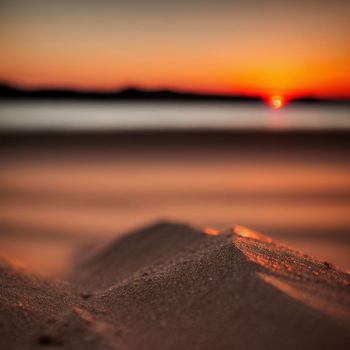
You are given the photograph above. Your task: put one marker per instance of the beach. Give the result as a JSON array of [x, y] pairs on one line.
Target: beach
[[173, 286], [61, 192], [151, 240], [174, 175]]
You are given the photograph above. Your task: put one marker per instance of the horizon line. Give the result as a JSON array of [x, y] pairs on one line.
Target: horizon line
[[151, 92]]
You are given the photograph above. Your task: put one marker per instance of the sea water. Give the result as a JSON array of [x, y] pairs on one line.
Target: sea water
[[131, 116]]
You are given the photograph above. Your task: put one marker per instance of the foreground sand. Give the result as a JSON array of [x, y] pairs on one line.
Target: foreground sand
[[171, 286]]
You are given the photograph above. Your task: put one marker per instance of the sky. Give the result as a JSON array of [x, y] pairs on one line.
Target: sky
[[254, 47]]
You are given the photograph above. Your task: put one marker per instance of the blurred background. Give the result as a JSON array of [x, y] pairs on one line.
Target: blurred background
[[241, 115], [61, 190]]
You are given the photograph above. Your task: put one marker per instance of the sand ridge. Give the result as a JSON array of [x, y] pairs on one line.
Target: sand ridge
[[172, 286]]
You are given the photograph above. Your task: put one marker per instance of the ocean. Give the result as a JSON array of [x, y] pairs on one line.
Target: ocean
[[145, 116]]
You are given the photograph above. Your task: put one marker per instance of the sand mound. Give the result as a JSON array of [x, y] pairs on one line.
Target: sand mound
[[136, 252], [170, 286]]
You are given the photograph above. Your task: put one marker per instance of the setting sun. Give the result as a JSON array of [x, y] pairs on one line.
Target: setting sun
[[277, 102]]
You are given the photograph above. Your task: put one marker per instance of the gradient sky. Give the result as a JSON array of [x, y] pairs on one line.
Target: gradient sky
[[263, 47]]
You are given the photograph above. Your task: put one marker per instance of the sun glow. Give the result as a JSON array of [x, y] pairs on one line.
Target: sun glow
[[277, 102]]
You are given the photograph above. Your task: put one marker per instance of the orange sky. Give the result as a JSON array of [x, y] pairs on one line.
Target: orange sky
[[259, 47]]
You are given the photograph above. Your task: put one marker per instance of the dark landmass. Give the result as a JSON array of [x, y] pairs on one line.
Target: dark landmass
[[172, 286], [129, 94], [8, 92]]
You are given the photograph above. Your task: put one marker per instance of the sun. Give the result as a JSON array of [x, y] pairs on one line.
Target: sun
[[277, 102]]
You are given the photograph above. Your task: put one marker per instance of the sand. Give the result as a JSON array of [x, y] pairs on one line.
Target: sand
[[62, 191], [172, 286]]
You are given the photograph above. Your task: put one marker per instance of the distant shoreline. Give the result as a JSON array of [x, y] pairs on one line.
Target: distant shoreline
[[10, 93]]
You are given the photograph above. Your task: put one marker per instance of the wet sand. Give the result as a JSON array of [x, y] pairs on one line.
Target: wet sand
[[172, 286], [62, 192]]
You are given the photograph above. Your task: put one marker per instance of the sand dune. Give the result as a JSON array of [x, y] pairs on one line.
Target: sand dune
[[171, 286]]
